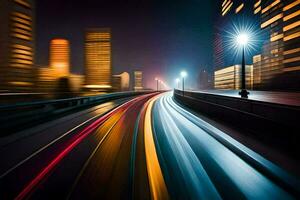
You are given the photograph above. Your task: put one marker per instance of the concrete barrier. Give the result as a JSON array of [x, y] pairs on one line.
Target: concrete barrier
[[275, 124]]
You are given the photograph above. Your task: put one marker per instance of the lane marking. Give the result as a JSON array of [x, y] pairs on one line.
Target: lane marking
[[49, 144], [156, 181], [95, 150], [82, 135]]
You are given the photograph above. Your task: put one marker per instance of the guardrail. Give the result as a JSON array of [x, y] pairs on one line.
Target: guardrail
[[23, 115], [273, 123]]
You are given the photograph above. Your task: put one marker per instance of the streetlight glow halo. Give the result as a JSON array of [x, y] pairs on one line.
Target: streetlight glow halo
[[242, 39], [183, 74]]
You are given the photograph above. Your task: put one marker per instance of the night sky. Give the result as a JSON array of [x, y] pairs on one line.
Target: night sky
[[159, 37]]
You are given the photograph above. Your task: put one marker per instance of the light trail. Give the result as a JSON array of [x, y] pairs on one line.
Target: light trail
[[189, 147], [156, 180], [50, 144], [82, 135]]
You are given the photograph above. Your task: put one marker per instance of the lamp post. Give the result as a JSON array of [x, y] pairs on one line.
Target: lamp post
[[242, 40], [183, 74], [159, 81], [177, 80], [156, 83]]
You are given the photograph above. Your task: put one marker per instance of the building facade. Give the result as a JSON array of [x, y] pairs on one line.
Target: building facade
[[138, 80], [17, 45], [98, 70], [46, 80], [230, 78], [121, 82], [60, 57], [279, 65]]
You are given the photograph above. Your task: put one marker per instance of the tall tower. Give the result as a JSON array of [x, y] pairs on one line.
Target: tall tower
[[138, 80], [98, 59], [279, 62], [60, 57], [17, 45]]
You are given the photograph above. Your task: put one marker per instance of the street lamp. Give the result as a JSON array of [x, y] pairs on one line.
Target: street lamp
[[159, 86], [242, 40], [183, 74], [156, 83], [177, 80]]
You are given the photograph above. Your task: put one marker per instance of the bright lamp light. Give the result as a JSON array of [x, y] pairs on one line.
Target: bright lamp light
[[183, 74], [242, 39], [177, 80]]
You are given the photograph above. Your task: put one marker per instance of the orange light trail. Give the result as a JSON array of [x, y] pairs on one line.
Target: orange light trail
[[81, 136], [156, 181]]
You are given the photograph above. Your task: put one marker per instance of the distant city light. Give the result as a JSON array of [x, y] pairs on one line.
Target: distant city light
[[183, 74]]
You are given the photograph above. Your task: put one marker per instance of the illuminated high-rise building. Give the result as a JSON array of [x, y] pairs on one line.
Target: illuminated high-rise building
[[279, 63], [138, 80], [230, 77], [98, 59], [121, 81], [17, 45], [60, 57]]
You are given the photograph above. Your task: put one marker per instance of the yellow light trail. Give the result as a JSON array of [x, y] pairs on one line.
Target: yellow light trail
[[156, 181]]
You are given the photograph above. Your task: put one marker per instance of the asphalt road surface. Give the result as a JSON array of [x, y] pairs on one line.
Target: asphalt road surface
[[147, 147]]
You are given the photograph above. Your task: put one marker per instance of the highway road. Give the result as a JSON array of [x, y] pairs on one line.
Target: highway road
[[147, 147]]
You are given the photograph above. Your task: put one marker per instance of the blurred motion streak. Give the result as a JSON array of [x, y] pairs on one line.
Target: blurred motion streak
[[156, 179], [81, 136]]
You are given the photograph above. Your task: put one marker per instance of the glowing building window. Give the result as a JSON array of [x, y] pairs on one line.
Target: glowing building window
[[257, 10], [22, 15], [21, 20], [291, 26], [21, 36], [23, 47], [289, 69], [272, 20], [270, 6], [276, 37], [290, 16], [291, 5], [290, 60], [227, 9], [257, 4], [292, 36], [23, 3], [292, 51], [239, 8]]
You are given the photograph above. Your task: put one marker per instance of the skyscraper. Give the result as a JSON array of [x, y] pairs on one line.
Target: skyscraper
[[279, 63], [60, 57], [17, 41], [98, 59], [138, 80]]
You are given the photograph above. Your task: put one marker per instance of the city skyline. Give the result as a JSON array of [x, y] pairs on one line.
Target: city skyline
[[149, 99], [178, 35]]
